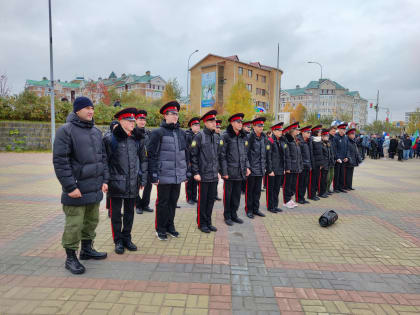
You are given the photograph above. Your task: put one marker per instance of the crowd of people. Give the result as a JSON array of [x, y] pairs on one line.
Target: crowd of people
[[385, 146], [304, 162]]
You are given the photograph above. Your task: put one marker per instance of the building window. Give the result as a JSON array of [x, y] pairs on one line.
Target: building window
[[148, 85], [240, 70], [258, 90], [263, 79], [153, 86], [263, 92], [257, 76], [249, 87], [250, 73]]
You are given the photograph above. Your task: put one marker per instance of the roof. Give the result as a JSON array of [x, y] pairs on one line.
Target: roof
[[315, 84], [235, 58], [296, 92], [46, 83]]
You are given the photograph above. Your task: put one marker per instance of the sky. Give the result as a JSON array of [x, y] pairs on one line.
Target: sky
[[363, 45]]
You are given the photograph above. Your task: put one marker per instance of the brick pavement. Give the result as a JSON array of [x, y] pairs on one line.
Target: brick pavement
[[367, 263]]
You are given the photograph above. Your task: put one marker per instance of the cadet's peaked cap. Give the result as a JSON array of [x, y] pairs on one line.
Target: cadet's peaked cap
[[316, 128], [194, 121], [291, 126], [246, 123], [128, 113], [238, 116], [141, 113], [172, 106], [306, 128], [351, 130], [210, 115], [325, 132], [277, 126], [342, 126], [219, 122], [259, 121]]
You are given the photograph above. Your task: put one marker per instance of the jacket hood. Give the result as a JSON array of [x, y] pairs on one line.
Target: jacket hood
[[74, 119], [232, 133]]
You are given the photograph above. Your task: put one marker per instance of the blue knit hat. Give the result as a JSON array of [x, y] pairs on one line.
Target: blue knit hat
[[81, 102]]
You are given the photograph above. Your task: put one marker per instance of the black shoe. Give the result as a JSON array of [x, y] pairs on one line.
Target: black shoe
[[314, 198], [306, 201], [173, 233], [352, 188], [177, 207], [130, 246], [279, 210], [218, 199], [139, 210], [323, 196], [259, 213], [301, 202], [237, 220], [195, 200], [212, 228], [204, 229], [272, 210], [229, 222], [161, 236], [343, 191], [73, 264], [119, 247], [191, 202], [336, 191], [330, 191], [147, 209], [88, 252], [250, 215]]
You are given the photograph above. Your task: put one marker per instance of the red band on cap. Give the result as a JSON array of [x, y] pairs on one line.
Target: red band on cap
[[172, 108], [236, 118], [209, 117], [325, 133], [276, 127], [304, 129], [125, 116], [258, 122], [316, 129], [140, 115], [194, 122]]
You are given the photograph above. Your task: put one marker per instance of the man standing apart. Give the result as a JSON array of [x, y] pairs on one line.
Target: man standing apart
[[205, 149], [80, 165], [340, 151], [168, 168], [235, 167]]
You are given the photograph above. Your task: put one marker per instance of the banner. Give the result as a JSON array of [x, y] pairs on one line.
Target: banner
[[208, 89]]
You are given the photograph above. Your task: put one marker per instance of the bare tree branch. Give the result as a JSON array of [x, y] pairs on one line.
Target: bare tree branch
[[4, 88]]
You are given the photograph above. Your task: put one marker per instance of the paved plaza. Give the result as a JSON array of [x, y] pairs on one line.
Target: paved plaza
[[366, 263]]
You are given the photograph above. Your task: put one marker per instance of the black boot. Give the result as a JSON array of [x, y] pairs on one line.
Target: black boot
[[73, 264], [88, 252]]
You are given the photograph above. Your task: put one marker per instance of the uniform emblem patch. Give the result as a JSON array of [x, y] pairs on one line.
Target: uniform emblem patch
[[285, 146], [221, 142], [246, 143], [193, 144], [268, 147]]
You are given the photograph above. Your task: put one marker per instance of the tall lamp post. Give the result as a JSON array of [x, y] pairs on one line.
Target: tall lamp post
[[52, 79], [319, 95], [188, 73], [318, 65]]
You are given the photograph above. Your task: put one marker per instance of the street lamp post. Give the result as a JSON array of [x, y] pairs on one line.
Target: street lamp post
[[188, 72], [318, 65], [319, 94], [52, 79]]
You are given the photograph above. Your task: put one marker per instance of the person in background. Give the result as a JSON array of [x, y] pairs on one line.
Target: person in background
[[191, 185], [400, 149], [407, 146], [353, 159], [393, 144], [385, 146]]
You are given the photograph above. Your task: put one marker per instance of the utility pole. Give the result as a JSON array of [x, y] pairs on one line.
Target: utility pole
[[377, 106], [52, 80]]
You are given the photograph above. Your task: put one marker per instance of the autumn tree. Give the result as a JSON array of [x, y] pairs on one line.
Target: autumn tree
[[298, 114], [172, 91], [240, 101], [414, 122]]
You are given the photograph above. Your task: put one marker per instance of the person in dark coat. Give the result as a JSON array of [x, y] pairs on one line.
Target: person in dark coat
[[374, 147], [80, 165], [113, 124], [327, 162], [393, 144], [317, 162], [142, 203], [407, 146], [246, 127], [127, 165], [340, 151], [168, 168], [234, 166], [305, 144], [279, 155], [191, 185], [217, 134], [330, 179], [294, 165], [353, 159], [259, 157], [205, 149]]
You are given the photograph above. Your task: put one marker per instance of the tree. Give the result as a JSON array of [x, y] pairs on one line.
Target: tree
[[414, 122], [288, 108], [377, 127], [172, 91], [240, 101], [4, 88], [298, 114]]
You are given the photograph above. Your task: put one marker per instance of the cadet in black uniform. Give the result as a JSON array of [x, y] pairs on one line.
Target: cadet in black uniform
[[279, 155], [316, 164], [127, 164], [205, 149], [353, 159], [340, 151], [293, 167], [327, 161], [234, 165], [259, 157], [142, 203], [305, 144], [191, 185], [246, 127], [218, 135]]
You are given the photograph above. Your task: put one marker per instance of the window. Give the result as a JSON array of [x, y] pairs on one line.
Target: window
[[258, 91], [263, 92], [249, 87], [240, 70], [153, 86], [263, 78], [257, 76], [148, 85], [250, 73]]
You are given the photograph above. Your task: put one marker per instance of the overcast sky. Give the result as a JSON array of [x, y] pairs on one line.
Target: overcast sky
[[363, 45]]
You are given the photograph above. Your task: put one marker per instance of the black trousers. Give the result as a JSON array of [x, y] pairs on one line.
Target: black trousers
[[144, 201], [253, 194], [273, 190], [231, 198], [191, 189], [400, 155], [121, 230], [243, 186], [206, 197], [348, 177], [167, 198], [323, 181], [313, 182], [303, 181], [289, 186], [108, 198], [338, 181]]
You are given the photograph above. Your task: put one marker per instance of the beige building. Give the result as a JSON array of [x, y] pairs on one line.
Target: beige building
[[213, 77]]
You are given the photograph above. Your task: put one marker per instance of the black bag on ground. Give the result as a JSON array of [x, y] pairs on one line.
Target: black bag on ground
[[328, 218]]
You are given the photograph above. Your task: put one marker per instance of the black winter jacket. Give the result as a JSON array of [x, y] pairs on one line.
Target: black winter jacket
[[259, 154], [79, 160], [328, 155], [127, 163], [168, 155], [279, 154], [234, 154], [205, 149], [317, 153], [340, 146], [306, 150], [296, 163], [352, 154]]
